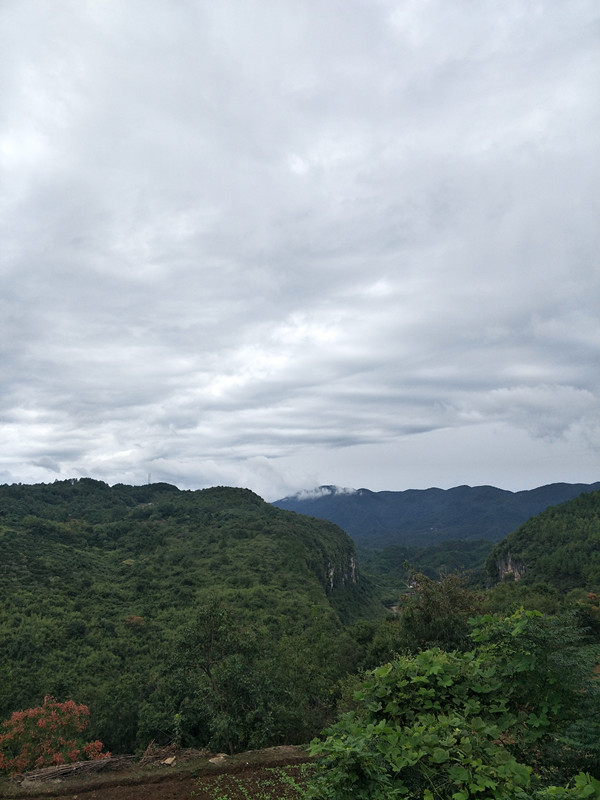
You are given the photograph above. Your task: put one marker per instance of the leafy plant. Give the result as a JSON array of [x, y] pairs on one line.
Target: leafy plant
[[428, 726], [582, 787], [522, 709], [546, 665], [50, 734]]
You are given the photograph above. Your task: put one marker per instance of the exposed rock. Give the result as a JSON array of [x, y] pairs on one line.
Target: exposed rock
[[344, 572], [509, 569]]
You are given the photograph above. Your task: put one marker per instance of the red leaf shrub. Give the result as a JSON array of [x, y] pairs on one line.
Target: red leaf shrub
[[48, 735]]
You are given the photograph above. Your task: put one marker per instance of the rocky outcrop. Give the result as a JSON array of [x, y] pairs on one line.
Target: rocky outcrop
[[343, 572], [509, 570]]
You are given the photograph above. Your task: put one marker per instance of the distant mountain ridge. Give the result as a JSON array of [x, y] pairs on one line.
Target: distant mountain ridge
[[429, 516]]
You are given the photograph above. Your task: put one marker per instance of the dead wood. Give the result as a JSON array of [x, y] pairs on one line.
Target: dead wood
[[98, 764]]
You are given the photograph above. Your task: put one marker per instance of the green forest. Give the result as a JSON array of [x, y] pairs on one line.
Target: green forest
[[214, 620]]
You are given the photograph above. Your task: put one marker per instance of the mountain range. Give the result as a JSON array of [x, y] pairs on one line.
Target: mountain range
[[426, 517]]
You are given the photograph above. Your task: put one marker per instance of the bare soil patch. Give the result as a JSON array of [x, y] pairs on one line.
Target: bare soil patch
[[171, 774]]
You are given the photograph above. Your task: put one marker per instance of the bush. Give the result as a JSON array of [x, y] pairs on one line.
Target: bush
[[48, 735], [498, 722], [582, 787], [547, 668], [426, 726]]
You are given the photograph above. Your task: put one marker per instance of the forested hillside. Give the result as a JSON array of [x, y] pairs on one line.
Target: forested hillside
[[105, 593], [559, 547], [424, 517], [213, 619]]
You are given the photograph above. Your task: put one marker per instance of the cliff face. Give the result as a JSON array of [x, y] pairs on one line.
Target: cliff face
[[342, 572], [509, 569]]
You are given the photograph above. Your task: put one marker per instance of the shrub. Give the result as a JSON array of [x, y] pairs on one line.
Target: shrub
[[425, 726], [497, 723], [48, 735]]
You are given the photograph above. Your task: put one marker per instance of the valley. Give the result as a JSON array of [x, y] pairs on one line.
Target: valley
[[211, 620]]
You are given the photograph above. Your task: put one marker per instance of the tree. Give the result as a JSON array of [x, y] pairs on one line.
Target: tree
[[219, 693], [436, 613], [433, 614]]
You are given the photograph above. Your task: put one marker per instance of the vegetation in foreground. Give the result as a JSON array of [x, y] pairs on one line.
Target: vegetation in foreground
[[508, 719], [464, 692]]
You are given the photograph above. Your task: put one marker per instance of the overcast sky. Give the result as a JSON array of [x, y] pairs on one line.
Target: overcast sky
[[281, 243]]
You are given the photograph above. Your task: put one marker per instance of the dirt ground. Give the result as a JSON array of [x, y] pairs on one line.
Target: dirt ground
[[269, 774]]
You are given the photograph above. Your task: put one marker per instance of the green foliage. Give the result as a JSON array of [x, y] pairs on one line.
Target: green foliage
[[215, 669], [425, 726], [582, 787], [559, 547], [431, 614], [99, 585], [506, 598], [212, 619], [228, 686], [524, 707], [547, 669], [436, 613]]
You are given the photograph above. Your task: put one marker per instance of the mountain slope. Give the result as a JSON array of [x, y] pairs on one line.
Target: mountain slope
[[429, 516], [559, 547], [98, 583]]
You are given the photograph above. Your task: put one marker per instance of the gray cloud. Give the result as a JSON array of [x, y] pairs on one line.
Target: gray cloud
[[264, 244]]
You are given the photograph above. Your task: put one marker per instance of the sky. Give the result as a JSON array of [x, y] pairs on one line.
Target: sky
[[286, 243]]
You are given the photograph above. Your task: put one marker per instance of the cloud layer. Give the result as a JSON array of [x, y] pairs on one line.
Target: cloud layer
[[273, 244]]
